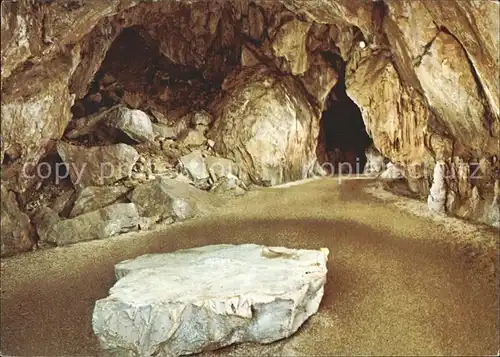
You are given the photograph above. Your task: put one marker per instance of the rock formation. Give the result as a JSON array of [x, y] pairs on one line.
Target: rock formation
[[231, 293], [248, 81]]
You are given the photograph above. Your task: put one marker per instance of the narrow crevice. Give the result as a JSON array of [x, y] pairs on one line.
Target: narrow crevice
[[427, 48]]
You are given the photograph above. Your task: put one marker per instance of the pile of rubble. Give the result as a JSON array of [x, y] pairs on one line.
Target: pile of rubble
[[144, 171]]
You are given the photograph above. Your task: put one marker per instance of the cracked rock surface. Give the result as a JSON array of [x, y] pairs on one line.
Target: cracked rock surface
[[204, 298]]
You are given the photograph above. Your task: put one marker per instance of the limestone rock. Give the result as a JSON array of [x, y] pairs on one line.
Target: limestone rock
[[93, 198], [100, 224], [89, 124], [135, 123], [63, 204], [248, 56], [384, 104], [492, 212], [392, 172], [194, 165], [230, 293], [374, 161], [290, 43], [97, 166], [451, 201], [202, 118], [182, 125], [266, 126], [164, 198], [256, 22], [15, 226], [164, 131], [39, 92], [228, 186], [45, 220], [437, 197], [425, 78], [459, 106], [219, 167], [194, 137], [475, 25], [319, 80]]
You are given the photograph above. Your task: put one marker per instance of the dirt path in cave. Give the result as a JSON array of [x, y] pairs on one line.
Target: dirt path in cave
[[397, 284]]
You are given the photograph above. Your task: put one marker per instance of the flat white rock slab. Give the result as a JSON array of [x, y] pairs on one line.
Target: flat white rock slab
[[205, 298]]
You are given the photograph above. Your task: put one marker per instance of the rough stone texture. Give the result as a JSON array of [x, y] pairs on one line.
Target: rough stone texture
[[266, 126], [97, 166], [425, 78], [220, 167], [460, 107], [437, 196], [194, 165], [104, 223], [135, 123], [290, 43], [44, 220], [475, 24], [202, 118], [165, 198], [229, 186], [392, 172], [35, 115], [15, 226], [194, 137], [231, 293], [492, 214], [164, 131], [319, 80], [385, 105], [63, 204], [374, 161], [93, 198]]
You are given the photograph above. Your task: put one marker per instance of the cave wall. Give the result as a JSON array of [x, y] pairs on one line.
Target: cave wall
[[426, 81]]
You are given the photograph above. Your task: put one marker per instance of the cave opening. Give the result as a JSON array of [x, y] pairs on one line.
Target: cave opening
[[172, 75], [136, 73], [343, 139]]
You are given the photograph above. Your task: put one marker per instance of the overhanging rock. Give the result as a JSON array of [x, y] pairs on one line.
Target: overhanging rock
[[205, 298]]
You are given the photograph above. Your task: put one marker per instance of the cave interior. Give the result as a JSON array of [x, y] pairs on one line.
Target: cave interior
[[136, 73]]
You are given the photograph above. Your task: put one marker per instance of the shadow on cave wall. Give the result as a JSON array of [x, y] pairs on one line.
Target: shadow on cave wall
[[136, 73], [343, 139]]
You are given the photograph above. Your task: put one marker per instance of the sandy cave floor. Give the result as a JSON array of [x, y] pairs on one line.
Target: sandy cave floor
[[398, 284]]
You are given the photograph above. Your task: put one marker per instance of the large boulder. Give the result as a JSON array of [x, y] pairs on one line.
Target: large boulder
[[134, 123], [266, 125], [194, 165], [44, 220], [93, 198], [194, 137], [219, 167], [100, 224], [15, 226], [165, 198], [97, 166], [209, 297], [164, 131]]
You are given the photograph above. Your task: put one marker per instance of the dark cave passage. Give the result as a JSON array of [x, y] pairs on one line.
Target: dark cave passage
[[135, 72], [343, 139]]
